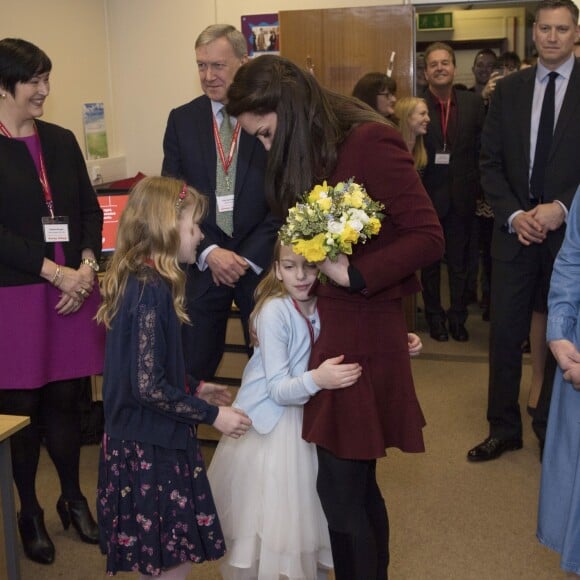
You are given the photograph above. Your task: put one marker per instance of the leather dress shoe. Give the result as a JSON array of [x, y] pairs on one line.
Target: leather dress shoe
[[458, 331], [492, 448], [438, 331]]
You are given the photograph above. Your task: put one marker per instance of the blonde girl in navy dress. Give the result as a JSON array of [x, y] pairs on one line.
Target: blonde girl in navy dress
[[155, 508]]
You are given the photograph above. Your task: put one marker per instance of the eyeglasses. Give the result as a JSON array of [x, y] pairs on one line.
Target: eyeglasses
[[386, 94]]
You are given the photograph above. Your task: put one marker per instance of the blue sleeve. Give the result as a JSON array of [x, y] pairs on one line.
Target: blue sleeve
[[564, 296], [150, 384], [275, 332]]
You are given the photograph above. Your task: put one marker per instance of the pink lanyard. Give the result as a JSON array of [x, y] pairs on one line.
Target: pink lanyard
[[310, 327], [42, 177], [225, 162]]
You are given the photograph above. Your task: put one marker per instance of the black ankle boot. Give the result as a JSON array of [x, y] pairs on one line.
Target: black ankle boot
[[77, 511], [35, 539]]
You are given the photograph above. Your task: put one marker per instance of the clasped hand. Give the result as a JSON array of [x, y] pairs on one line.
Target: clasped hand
[[568, 359], [533, 226], [226, 266], [76, 285]]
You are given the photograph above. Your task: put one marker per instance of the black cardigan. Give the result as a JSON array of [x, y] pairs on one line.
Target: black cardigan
[[22, 205]]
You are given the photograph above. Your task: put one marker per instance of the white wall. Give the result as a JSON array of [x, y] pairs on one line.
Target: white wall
[[73, 34]]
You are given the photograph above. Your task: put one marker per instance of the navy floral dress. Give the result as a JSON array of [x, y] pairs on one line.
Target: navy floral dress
[[154, 504]]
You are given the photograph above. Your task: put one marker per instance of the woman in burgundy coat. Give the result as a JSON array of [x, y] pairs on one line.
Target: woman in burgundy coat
[[313, 134]]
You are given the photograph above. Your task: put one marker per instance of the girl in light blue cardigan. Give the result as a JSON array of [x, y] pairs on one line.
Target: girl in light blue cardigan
[[264, 484]]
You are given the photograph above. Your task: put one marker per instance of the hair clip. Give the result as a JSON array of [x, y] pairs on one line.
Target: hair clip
[[181, 196]]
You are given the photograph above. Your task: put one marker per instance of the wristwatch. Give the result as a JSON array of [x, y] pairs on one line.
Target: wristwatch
[[91, 263]]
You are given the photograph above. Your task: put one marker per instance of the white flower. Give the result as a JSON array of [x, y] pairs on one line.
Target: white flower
[[356, 225], [335, 227], [359, 215]]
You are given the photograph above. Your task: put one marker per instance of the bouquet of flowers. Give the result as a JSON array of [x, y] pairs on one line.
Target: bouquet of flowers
[[329, 220]]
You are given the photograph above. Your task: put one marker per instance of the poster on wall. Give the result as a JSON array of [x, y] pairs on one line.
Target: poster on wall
[[262, 33], [95, 131]]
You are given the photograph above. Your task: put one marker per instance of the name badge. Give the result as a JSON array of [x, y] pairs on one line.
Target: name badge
[[442, 158], [225, 202], [55, 229]]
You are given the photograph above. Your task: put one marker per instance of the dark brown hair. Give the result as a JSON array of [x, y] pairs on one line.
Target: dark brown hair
[[311, 124]]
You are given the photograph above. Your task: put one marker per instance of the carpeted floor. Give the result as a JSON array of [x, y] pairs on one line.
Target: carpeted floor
[[450, 520]]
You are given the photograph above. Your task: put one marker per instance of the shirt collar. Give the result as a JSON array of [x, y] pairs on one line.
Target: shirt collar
[[564, 70]]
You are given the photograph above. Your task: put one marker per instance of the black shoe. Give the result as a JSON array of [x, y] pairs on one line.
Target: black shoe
[[492, 448], [458, 331], [35, 539], [438, 331], [485, 314], [77, 512]]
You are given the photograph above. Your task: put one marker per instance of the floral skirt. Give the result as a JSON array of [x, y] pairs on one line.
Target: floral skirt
[[155, 508]]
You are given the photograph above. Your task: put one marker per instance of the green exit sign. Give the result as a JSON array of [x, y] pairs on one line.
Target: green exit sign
[[435, 21]]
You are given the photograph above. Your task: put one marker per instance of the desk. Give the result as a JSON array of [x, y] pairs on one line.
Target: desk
[[9, 424]]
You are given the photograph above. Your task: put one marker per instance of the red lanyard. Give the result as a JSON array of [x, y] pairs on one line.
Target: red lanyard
[[42, 176], [445, 108], [225, 162], [310, 327]]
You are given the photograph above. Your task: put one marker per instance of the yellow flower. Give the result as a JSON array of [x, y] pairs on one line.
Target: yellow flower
[[325, 203], [356, 199], [315, 194], [313, 249], [348, 235], [374, 225]]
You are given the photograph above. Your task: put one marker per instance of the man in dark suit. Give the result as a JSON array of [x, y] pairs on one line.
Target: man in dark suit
[[451, 179], [530, 211], [239, 230]]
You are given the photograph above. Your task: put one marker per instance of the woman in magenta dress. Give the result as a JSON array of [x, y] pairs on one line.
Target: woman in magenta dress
[[50, 240], [312, 135]]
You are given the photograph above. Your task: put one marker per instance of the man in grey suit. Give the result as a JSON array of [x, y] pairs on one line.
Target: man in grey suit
[[529, 176], [229, 169]]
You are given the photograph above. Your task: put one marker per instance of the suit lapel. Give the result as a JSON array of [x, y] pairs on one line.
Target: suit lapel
[[246, 146], [525, 90], [208, 147], [569, 105]]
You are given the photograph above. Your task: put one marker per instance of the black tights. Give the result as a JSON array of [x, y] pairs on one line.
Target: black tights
[[57, 406], [357, 517]]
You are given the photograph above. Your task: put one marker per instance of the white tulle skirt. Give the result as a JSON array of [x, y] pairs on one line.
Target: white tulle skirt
[[264, 488]]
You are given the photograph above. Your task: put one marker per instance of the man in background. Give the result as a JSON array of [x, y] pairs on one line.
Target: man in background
[[530, 172], [208, 150], [451, 179], [483, 65]]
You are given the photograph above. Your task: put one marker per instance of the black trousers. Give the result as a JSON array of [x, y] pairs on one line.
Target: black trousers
[[357, 517], [514, 287], [457, 232]]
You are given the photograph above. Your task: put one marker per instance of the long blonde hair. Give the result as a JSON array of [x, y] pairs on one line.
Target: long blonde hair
[[148, 230], [269, 287], [404, 108]]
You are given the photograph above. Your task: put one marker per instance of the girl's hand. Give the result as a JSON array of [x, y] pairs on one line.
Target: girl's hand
[[331, 374], [232, 422], [415, 344], [214, 394]]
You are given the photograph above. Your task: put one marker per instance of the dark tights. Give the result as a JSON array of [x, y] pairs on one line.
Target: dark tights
[[357, 517], [56, 406]]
